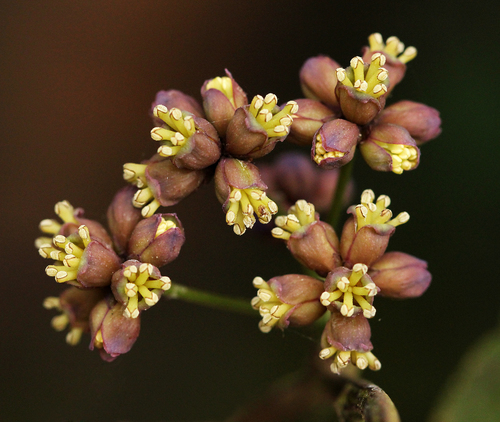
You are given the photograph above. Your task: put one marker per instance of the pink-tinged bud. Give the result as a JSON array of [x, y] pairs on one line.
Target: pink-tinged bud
[[293, 176], [318, 80], [335, 143], [173, 98], [242, 193], [221, 97], [138, 286], [421, 121], [157, 240], [122, 218], [347, 340], [255, 129], [390, 147], [190, 141], [307, 121], [97, 265], [291, 299], [400, 276], [111, 332], [75, 306]]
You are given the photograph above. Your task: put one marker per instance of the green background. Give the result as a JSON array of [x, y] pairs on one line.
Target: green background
[[77, 79]]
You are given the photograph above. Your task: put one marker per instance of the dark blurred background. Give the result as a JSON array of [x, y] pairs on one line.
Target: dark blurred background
[[77, 80]]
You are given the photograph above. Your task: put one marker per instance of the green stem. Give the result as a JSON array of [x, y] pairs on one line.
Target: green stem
[[211, 300], [338, 198]]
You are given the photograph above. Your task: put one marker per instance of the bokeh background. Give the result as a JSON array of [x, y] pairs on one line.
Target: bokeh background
[[77, 79]]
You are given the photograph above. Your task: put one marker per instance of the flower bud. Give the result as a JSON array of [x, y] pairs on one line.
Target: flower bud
[[318, 80], [191, 142], [291, 299], [366, 233], [307, 121], [390, 147], [242, 193], [400, 276], [75, 306], [335, 143], [157, 240], [347, 340], [138, 286], [85, 262], [255, 129], [311, 241], [221, 97], [294, 176], [421, 121], [160, 182], [122, 218], [395, 54], [350, 291], [173, 98], [362, 89], [111, 332]]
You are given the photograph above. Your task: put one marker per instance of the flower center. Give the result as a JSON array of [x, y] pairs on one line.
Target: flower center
[[367, 79], [275, 122], [392, 47], [300, 215], [224, 85]]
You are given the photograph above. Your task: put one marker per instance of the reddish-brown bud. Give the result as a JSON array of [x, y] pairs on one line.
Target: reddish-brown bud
[[318, 80], [400, 276], [335, 143], [97, 264], [358, 107]]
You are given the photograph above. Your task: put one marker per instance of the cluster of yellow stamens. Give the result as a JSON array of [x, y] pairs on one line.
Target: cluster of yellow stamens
[[139, 285], [223, 84], [299, 215], [66, 212], [366, 79], [369, 213], [350, 289], [275, 122], [164, 226], [179, 128], [244, 203], [404, 157], [342, 358], [321, 154], [67, 253], [392, 47], [271, 309], [144, 197], [60, 322]]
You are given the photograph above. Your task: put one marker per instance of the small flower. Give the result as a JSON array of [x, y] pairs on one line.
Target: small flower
[[191, 141], [291, 299], [173, 98], [157, 240], [350, 291], [138, 286], [160, 183], [366, 233], [242, 192], [311, 241], [75, 306], [361, 89], [111, 332], [255, 129], [347, 340], [80, 261]]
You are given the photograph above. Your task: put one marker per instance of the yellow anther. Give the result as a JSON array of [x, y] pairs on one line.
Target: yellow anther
[[393, 47], [363, 78], [368, 213], [299, 215], [223, 84]]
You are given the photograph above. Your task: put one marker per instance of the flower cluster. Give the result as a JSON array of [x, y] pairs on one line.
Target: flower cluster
[[356, 268]]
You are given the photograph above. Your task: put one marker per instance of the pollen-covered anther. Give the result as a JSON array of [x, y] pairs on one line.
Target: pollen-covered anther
[[300, 215], [164, 226], [321, 154], [370, 212], [393, 47], [342, 358], [276, 122], [135, 174], [404, 157], [143, 197]]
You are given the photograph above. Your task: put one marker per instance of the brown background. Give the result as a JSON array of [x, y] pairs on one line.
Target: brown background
[[76, 82]]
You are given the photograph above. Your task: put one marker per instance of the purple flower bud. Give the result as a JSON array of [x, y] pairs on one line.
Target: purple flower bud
[[318, 80], [221, 97], [390, 147], [307, 121], [173, 98], [347, 340], [111, 332], [157, 240], [291, 299], [255, 129], [138, 286], [122, 217], [400, 276], [242, 193], [421, 121]]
